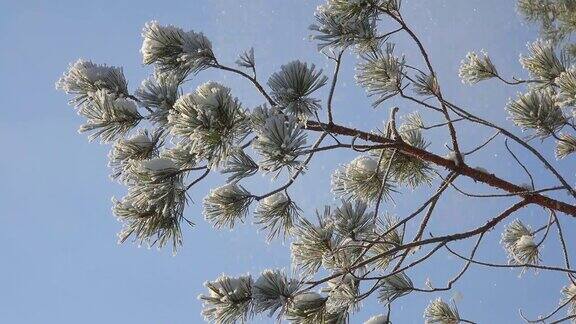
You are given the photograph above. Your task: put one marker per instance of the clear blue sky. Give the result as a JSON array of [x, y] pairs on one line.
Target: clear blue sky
[[60, 261]]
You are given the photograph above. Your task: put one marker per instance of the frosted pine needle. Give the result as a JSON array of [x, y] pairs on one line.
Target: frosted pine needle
[[293, 85], [229, 300], [312, 242], [378, 319], [569, 296], [276, 214], [280, 142], [307, 308], [542, 62], [344, 23], [476, 68], [381, 74], [211, 119], [273, 291], [518, 241], [353, 220], [361, 179], [538, 111], [226, 205], [159, 93], [393, 287], [174, 50], [139, 146], [440, 312], [565, 145], [84, 78], [566, 83], [108, 117]]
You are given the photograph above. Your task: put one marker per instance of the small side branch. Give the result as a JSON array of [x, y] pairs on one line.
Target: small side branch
[[333, 86]]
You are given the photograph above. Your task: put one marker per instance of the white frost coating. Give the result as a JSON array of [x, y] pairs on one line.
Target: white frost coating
[[158, 164], [525, 241], [308, 297], [263, 281], [150, 45], [140, 139], [415, 249], [481, 169], [428, 283], [233, 285], [208, 93], [453, 157], [365, 163], [346, 241], [336, 282], [275, 199], [125, 105], [228, 189], [155, 41], [378, 319], [82, 72], [571, 289]]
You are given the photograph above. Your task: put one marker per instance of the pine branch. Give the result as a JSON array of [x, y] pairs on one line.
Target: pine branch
[[463, 169]]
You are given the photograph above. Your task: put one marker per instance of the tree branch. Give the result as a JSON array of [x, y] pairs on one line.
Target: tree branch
[[463, 169]]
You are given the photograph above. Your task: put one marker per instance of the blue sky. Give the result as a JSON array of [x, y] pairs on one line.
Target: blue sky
[[61, 263]]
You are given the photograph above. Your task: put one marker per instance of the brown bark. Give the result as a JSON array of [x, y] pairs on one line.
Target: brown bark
[[489, 179]]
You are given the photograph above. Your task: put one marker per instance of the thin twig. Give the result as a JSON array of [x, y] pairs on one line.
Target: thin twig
[[333, 86], [483, 144], [198, 179], [520, 163]]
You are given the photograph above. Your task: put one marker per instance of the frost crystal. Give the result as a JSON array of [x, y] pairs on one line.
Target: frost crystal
[[481, 169], [525, 241], [365, 164], [452, 156], [276, 199], [377, 319], [158, 164]]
